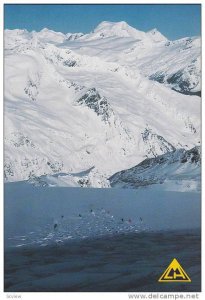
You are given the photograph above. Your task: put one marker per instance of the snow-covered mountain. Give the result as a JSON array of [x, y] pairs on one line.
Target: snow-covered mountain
[[83, 107], [16, 37], [178, 170], [113, 29]]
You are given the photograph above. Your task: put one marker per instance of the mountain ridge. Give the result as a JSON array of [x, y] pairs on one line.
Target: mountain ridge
[[93, 103]]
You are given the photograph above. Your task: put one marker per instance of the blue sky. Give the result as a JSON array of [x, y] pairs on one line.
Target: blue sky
[[174, 21]]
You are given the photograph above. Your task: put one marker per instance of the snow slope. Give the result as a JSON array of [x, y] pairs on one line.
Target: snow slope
[[32, 212], [175, 63], [86, 102], [179, 170]]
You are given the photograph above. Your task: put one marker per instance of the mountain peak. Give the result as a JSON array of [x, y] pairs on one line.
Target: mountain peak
[[153, 31], [105, 24], [156, 36], [49, 35], [45, 29], [121, 29], [118, 29]]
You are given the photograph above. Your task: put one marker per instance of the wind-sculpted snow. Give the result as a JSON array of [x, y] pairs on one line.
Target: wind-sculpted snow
[[77, 101]]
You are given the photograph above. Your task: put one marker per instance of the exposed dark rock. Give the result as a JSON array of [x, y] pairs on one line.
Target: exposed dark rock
[[8, 171], [193, 155], [97, 103], [159, 77], [178, 82], [148, 172], [154, 142], [19, 140], [69, 63]]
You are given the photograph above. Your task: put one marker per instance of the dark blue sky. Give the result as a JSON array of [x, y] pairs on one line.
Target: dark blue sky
[[174, 21]]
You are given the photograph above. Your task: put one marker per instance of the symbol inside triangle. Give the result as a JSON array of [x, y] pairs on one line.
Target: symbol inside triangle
[[174, 273]]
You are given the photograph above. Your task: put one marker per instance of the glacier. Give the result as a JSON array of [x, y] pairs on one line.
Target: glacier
[[103, 101]]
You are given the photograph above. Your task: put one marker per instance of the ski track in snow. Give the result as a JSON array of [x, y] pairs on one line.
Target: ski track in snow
[[41, 216], [90, 224]]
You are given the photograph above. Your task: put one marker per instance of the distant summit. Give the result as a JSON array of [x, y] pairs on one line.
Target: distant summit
[[122, 29], [156, 36]]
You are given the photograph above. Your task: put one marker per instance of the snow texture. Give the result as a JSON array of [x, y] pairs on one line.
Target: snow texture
[[42, 216], [102, 101], [178, 170]]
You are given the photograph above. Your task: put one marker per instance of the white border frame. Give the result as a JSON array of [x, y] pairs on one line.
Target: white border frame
[[76, 295]]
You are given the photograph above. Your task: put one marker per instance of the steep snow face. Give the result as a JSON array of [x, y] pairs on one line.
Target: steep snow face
[[84, 104], [178, 170]]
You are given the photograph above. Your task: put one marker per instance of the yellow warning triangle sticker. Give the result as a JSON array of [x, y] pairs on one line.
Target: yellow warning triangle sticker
[[174, 273]]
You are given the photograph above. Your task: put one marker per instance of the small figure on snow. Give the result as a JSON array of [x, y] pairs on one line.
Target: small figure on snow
[[92, 212]]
